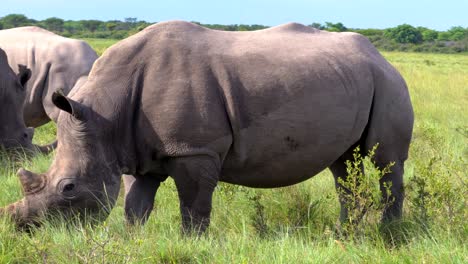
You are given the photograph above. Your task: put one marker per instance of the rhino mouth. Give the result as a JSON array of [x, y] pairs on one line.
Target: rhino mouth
[[27, 214], [14, 146]]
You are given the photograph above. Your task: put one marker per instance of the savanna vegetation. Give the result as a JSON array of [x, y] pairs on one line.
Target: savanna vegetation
[[295, 224], [400, 38]]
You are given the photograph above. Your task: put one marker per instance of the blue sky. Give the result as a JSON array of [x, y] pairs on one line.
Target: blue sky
[[435, 14]]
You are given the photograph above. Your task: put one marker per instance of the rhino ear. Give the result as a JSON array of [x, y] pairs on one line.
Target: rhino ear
[[68, 105], [24, 74], [31, 182]]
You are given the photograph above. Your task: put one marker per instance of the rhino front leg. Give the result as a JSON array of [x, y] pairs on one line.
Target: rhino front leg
[[139, 196], [196, 179]]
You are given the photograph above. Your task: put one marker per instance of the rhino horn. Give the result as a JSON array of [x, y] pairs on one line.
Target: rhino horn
[[14, 210], [31, 182]]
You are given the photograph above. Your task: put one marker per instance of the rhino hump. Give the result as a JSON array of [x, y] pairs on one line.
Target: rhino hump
[[56, 62], [33, 29]]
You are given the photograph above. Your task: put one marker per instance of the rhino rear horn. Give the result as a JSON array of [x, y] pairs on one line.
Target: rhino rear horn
[[66, 104], [31, 182]]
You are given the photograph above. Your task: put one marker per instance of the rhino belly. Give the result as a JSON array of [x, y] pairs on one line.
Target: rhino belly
[[295, 142]]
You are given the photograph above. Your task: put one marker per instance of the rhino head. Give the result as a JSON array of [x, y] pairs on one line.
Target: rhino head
[[13, 132], [84, 177]]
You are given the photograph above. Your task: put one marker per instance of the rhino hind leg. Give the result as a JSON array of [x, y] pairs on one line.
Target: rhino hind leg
[[139, 196], [392, 131], [394, 180], [196, 179]]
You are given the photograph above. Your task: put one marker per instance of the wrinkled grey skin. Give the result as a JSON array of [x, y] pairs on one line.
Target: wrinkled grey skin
[[56, 63], [13, 132], [262, 109]]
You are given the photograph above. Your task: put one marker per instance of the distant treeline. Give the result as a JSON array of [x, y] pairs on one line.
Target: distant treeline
[[400, 38]]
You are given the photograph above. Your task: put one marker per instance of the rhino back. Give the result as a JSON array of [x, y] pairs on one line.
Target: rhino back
[[267, 102], [56, 63]]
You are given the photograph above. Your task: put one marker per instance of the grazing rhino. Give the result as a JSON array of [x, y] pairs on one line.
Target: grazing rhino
[[13, 132], [56, 63], [263, 109]]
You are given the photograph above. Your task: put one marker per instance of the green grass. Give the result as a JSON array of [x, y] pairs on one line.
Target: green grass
[[287, 225], [100, 45]]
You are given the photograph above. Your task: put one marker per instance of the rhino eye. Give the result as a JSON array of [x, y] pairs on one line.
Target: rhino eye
[[68, 187]]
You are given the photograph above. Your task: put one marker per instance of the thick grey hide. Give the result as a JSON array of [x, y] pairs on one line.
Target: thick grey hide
[[263, 109], [13, 132], [56, 63]]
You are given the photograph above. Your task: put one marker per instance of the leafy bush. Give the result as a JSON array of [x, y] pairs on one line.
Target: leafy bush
[[404, 34], [361, 192], [437, 194]]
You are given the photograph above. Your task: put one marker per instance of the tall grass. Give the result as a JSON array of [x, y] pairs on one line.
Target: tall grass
[[287, 225]]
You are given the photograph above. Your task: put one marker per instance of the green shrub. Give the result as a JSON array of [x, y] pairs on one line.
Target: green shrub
[[437, 193], [362, 193]]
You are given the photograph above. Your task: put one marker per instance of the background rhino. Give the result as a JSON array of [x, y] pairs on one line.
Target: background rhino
[[56, 63], [13, 132], [263, 109]]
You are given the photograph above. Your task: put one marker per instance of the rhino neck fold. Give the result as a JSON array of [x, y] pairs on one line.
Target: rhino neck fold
[[118, 103]]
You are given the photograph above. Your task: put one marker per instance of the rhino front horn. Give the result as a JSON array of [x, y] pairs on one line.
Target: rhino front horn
[[14, 210], [31, 182]]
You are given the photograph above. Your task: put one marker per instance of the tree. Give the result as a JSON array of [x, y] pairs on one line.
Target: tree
[[53, 24], [73, 26], [428, 34], [243, 27], [336, 27], [111, 26], [457, 33], [14, 20], [404, 34], [444, 36], [370, 32], [317, 25], [91, 25], [142, 24], [130, 20]]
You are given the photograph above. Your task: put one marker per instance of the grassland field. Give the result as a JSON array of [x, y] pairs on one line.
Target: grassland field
[[293, 224]]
